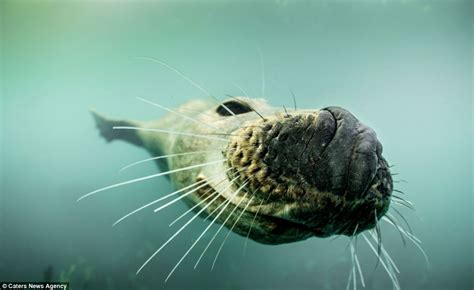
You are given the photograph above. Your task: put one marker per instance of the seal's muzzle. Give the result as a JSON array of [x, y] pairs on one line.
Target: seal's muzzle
[[352, 158], [326, 164]]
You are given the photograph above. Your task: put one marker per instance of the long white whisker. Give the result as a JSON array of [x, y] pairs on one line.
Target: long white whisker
[[390, 268], [191, 209], [182, 196], [378, 231], [149, 177], [403, 218], [359, 269], [404, 204], [202, 182], [218, 207], [385, 253], [220, 228], [212, 212], [353, 267], [188, 79], [241, 89], [390, 274], [170, 132], [184, 76], [253, 221], [195, 206], [401, 201], [415, 241], [349, 280], [205, 230], [166, 156], [392, 218], [230, 231], [177, 232], [178, 113], [158, 200], [408, 235]]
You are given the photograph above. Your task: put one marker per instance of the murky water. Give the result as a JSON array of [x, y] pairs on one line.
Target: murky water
[[402, 67]]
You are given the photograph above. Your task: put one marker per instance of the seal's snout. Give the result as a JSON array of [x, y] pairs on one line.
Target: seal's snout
[[353, 157], [326, 163]]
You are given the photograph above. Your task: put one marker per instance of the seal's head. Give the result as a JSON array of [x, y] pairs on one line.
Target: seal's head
[[310, 173]]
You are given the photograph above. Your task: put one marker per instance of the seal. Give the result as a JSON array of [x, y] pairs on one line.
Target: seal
[[272, 175], [307, 173]]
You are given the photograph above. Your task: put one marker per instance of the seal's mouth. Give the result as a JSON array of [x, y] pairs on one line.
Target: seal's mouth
[[321, 171]]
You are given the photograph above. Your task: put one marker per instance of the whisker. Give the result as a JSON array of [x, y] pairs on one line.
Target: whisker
[[213, 212], [385, 253], [294, 99], [251, 107], [408, 235], [397, 228], [359, 269], [399, 191], [178, 113], [390, 274], [286, 111], [169, 195], [404, 204], [220, 228], [178, 72], [158, 200], [205, 230], [400, 181], [353, 268], [230, 231], [179, 198], [349, 280], [379, 233], [188, 79], [170, 132], [402, 201], [415, 241], [202, 201], [191, 81], [177, 232], [253, 220], [149, 177], [166, 156], [191, 209], [353, 235], [220, 205], [241, 89], [390, 263], [403, 218]]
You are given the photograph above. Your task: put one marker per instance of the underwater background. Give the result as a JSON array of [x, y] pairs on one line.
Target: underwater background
[[402, 67]]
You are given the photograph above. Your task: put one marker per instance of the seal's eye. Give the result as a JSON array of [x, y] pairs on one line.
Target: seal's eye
[[235, 106]]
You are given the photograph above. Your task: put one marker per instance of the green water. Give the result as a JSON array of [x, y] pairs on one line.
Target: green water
[[402, 67]]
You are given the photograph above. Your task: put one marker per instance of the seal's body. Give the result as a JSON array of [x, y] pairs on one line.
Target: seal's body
[[274, 175]]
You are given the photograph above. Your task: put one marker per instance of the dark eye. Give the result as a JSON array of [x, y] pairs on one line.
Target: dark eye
[[234, 106]]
